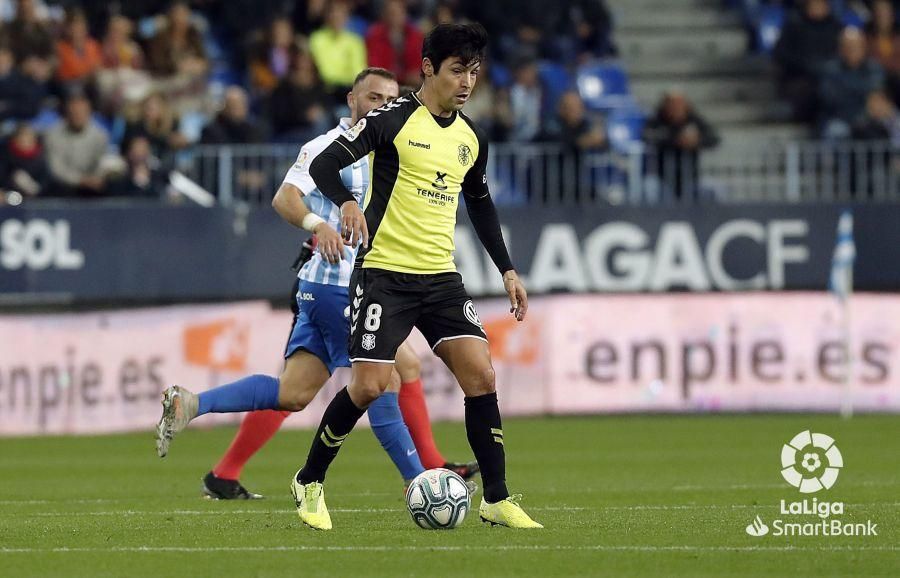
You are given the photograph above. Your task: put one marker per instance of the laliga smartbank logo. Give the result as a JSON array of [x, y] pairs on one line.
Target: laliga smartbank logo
[[811, 463]]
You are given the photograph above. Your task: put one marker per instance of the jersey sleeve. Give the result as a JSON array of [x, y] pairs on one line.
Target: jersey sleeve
[[298, 175], [481, 209], [474, 184], [376, 129]]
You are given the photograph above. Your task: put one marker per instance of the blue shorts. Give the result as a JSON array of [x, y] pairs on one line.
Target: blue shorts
[[321, 325]]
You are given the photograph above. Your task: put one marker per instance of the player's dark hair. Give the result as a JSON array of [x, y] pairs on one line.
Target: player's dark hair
[[374, 71], [464, 41]]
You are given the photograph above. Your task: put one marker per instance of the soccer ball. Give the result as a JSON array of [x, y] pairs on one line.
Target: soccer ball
[[438, 499]]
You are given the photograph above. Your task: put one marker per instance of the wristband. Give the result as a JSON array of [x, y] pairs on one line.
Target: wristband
[[311, 221]]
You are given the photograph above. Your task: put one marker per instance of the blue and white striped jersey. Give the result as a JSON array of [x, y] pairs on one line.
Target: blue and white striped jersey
[[355, 178]]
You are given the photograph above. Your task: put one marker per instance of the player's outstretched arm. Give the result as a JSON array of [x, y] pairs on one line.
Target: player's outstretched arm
[[288, 203]]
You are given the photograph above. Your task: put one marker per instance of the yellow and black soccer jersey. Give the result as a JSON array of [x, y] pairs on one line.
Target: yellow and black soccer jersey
[[420, 163]]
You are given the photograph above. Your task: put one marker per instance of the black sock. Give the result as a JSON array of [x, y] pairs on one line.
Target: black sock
[[485, 433], [337, 423]]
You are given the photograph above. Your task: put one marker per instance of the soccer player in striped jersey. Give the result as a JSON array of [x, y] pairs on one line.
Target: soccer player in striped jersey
[[319, 336]]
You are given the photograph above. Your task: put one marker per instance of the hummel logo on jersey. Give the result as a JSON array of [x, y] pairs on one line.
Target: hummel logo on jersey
[[356, 302], [439, 181], [420, 145], [359, 290]]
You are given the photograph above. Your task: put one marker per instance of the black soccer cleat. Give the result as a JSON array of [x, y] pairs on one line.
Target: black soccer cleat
[[465, 471], [215, 488]]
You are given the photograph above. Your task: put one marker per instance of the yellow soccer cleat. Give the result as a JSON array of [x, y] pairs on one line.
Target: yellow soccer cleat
[[310, 501], [507, 513]]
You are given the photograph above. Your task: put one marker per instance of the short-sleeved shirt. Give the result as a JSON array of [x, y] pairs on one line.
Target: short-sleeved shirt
[[420, 164], [355, 177]]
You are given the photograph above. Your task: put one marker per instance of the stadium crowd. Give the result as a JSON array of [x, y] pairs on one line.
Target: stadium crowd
[[97, 98]]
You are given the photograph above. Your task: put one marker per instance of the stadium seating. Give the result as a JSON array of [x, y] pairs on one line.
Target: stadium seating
[[603, 86], [555, 80], [624, 127]]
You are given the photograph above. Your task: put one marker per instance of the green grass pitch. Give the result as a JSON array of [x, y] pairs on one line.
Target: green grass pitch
[[625, 495]]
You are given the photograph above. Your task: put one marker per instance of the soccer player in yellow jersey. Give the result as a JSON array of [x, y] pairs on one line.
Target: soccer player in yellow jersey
[[426, 154]]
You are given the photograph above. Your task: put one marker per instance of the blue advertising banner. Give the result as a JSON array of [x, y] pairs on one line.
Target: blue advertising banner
[[98, 253]]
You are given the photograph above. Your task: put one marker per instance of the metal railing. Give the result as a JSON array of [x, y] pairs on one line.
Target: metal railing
[[549, 175]]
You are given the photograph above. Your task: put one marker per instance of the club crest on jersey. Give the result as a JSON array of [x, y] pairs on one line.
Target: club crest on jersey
[[368, 342], [351, 133], [465, 155], [471, 314]]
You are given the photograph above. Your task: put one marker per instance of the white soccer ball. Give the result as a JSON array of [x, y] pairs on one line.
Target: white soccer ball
[[438, 499]]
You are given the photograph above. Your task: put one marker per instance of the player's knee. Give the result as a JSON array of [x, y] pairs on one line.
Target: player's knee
[[481, 382], [366, 391]]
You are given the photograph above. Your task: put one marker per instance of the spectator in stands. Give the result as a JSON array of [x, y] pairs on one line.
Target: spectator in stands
[[235, 18], [75, 150], [298, 107], [846, 84], [395, 43], [528, 27], [78, 55], [443, 12], [873, 168], [525, 97], [178, 48], [21, 93], [233, 125], [884, 45], [593, 29], [677, 135], [119, 48], [809, 40], [28, 34], [579, 135], [880, 122], [121, 81], [158, 124], [23, 167], [489, 106], [309, 15], [143, 175], [339, 54], [271, 56], [577, 132]]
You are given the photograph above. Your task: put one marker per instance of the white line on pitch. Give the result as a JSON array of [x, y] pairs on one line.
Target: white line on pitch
[[227, 512], [120, 500], [587, 548]]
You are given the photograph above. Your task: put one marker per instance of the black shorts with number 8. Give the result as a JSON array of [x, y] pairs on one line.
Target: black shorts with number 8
[[386, 305]]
